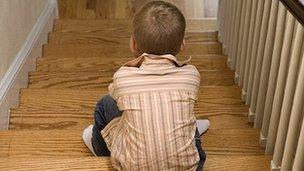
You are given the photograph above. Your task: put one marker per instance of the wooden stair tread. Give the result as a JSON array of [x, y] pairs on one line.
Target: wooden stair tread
[[213, 163], [225, 116], [240, 163], [96, 80], [115, 37], [232, 141], [68, 25], [56, 163], [88, 26], [22, 119], [77, 99], [69, 142], [96, 63], [115, 50]]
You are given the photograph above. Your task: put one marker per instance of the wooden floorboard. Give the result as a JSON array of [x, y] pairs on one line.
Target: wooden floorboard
[[86, 99], [69, 143], [224, 116], [98, 80], [22, 119], [115, 37], [108, 64], [238, 163], [61, 163], [118, 9], [213, 163], [93, 26], [114, 50]]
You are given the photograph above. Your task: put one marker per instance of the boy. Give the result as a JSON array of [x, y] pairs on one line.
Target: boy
[[147, 121]]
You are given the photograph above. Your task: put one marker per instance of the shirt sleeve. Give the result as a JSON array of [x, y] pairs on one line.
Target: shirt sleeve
[[111, 89]]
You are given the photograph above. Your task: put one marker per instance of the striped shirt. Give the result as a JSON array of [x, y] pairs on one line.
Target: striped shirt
[[157, 128]]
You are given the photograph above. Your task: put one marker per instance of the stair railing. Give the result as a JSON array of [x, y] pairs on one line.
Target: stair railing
[[263, 40]]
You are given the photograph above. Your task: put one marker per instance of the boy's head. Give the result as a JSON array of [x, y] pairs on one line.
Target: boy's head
[[159, 29]]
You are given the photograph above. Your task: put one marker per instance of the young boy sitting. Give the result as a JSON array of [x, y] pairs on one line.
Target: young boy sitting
[[147, 120]]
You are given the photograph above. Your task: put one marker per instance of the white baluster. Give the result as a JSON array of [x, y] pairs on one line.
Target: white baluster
[[299, 158], [255, 44], [244, 48], [268, 51], [249, 48], [296, 112], [240, 41], [259, 60], [288, 95], [275, 63], [236, 37]]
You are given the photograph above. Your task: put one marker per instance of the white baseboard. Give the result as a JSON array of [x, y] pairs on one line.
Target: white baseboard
[[263, 140], [251, 116], [236, 78], [16, 76], [274, 166], [244, 95]]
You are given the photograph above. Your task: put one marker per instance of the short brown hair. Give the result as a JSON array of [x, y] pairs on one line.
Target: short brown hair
[[159, 28]]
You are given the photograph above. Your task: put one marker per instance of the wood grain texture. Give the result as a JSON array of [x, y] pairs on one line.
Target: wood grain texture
[[72, 9], [85, 99], [60, 163], [23, 119], [123, 50], [97, 26], [116, 37], [240, 141], [95, 9], [69, 143], [238, 163], [42, 143], [221, 116], [104, 64], [45, 109], [118, 9], [91, 26], [101, 80], [213, 163]]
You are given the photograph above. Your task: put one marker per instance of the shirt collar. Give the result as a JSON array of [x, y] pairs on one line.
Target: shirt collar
[[137, 62]]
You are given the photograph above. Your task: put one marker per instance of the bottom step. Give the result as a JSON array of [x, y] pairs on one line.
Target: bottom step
[[213, 163]]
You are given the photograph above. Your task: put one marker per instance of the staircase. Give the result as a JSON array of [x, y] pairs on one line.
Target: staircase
[[74, 72]]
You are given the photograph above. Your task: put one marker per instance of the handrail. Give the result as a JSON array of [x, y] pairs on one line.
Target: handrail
[[296, 7]]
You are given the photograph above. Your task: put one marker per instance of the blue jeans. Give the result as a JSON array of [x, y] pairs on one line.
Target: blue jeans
[[105, 111]]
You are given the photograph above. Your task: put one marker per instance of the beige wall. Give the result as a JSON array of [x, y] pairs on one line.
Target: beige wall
[[17, 17], [210, 8]]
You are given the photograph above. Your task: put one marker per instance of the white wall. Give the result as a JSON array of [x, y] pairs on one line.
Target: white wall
[[24, 28], [211, 8], [17, 18]]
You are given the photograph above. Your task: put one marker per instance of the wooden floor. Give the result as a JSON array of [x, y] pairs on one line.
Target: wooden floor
[[121, 9], [74, 72]]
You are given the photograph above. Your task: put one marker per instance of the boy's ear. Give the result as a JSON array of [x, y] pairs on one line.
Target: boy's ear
[[183, 45], [133, 45]]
